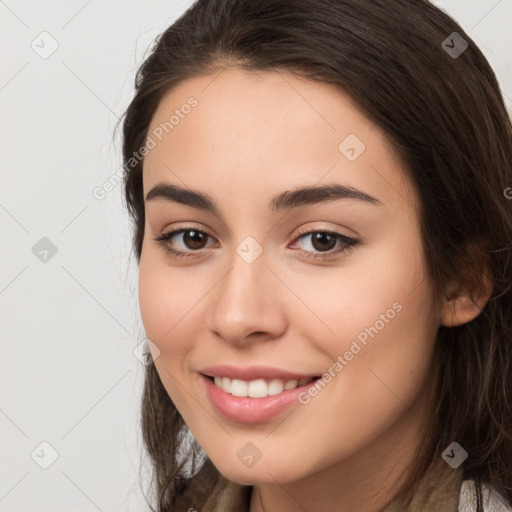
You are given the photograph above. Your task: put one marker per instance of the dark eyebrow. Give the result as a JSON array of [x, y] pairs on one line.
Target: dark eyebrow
[[284, 201]]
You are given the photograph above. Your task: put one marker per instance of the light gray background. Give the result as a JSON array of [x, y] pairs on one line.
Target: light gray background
[[69, 326]]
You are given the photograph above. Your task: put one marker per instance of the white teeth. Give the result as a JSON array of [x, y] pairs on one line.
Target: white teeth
[[291, 384], [226, 384], [258, 388], [275, 386], [238, 387]]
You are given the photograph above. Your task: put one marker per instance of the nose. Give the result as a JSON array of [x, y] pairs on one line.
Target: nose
[[245, 304]]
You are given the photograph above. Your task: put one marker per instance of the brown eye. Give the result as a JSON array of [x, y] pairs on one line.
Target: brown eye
[[192, 240], [196, 240], [323, 241]]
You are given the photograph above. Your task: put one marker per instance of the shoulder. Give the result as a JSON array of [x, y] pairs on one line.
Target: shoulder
[[491, 500]]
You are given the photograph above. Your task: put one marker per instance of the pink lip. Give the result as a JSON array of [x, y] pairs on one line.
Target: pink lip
[[252, 373], [251, 410]]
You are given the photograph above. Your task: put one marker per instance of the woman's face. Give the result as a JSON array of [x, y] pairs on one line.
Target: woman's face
[[252, 294]]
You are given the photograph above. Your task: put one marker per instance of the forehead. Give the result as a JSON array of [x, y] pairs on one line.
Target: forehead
[[267, 130]]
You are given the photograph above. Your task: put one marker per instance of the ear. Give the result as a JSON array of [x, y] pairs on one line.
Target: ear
[[465, 302]]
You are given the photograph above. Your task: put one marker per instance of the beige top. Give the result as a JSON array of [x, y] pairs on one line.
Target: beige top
[[492, 501], [451, 495]]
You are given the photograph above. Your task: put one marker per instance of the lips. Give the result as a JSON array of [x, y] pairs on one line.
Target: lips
[[248, 409], [258, 408]]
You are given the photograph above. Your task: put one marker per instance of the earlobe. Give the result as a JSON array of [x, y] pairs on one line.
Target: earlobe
[[463, 305]]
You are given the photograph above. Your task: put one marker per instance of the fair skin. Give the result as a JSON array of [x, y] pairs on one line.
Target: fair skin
[[251, 137]]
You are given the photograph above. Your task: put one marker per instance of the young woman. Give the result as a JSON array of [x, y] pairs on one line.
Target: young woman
[[322, 211]]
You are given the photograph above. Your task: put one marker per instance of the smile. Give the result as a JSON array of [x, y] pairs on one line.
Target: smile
[[257, 400], [258, 388]]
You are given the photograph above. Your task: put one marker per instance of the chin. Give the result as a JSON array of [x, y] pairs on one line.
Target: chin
[[263, 472]]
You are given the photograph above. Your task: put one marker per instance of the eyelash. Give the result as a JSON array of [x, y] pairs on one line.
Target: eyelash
[[350, 243]]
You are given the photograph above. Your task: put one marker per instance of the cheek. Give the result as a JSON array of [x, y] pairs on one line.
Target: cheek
[[170, 301], [152, 299], [161, 306], [392, 327], [378, 293], [164, 306], [385, 342], [378, 312]]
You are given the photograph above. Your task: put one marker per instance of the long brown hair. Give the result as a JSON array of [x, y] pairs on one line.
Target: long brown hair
[[445, 116]]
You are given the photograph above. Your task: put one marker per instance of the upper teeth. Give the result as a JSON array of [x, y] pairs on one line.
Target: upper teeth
[[258, 388]]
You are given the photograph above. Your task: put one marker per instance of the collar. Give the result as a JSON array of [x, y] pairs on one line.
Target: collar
[[438, 491]]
